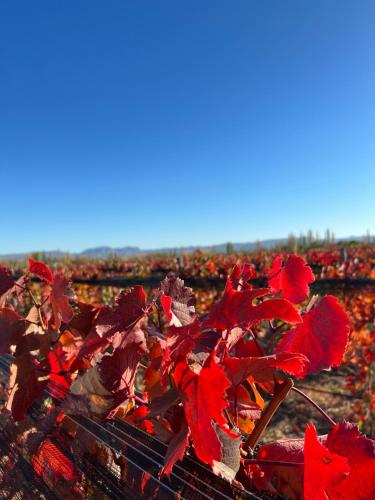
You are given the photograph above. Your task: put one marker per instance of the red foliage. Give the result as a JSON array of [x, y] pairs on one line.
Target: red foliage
[[346, 440], [322, 467], [12, 326], [6, 280], [115, 322], [322, 336], [199, 378], [40, 270], [62, 310], [261, 369], [203, 394], [178, 301], [236, 308], [292, 279]]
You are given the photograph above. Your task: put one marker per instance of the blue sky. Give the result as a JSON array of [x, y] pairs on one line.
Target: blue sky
[[158, 123]]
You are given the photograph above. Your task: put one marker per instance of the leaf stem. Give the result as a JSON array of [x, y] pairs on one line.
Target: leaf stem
[[315, 405], [138, 399]]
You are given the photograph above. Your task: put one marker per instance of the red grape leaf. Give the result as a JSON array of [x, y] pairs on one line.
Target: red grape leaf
[[116, 321], [233, 337], [292, 279], [118, 370], [84, 318], [322, 468], [16, 288], [247, 348], [240, 276], [321, 455], [246, 407], [93, 343], [176, 448], [178, 301], [236, 308], [110, 381], [152, 376], [204, 400], [161, 404], [276, 309], [139, 418], [60, 379], [62, 310], [182, 340], [262, 368], [346, 440], [40, 270], [12, 326], [322, 336], [283, 480], [6, 280], [26, 383]]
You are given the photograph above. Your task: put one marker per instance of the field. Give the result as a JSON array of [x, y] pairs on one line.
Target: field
[[283, 348]]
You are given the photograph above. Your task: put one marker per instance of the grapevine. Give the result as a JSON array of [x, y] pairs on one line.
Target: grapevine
[[207, 385]]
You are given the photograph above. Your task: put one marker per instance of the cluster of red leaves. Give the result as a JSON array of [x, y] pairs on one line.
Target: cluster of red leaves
[[203, 378], [360, 355], [339, 465], [352, 261]]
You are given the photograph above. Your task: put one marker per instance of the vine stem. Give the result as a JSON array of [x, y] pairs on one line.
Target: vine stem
[[231, 423], [281, 392], [315, 405], [138, 399]]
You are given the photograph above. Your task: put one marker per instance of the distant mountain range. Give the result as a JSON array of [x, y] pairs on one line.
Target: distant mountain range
[[129, 251]]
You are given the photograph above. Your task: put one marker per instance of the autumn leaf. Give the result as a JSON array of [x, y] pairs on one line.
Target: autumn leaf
[[240, 276], [84, 317], [278, 479], [178, 301], [12, 326], [116, 321], [336, 466], [110, 381], [236, 308], [322, 336], [204, 400], [41, 271], [28, 380], [59, 376], [322, 468], [6, 280], [247, 349], [346, 440], [182, 340], [242, 406], [62, 310], [152, 376], [262, 368], [16, 288], [292, 279], [138, 418], [176, 448]]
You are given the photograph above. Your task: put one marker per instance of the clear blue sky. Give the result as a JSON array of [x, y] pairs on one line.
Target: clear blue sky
[[158, 123]]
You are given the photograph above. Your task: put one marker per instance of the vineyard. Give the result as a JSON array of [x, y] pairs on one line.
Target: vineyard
[[197, 376]]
